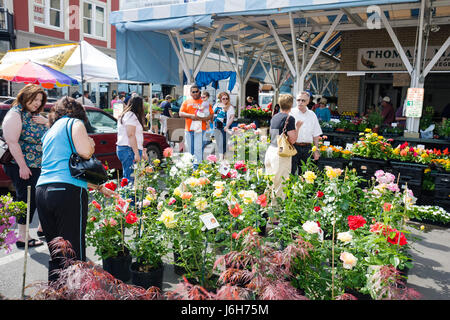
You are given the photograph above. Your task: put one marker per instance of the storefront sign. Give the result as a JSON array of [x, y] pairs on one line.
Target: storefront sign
[[388, 59], [414, 102], [38, 11]]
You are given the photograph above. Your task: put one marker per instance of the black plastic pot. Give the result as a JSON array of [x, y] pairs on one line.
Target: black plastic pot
[[118, 267], [153, 278]]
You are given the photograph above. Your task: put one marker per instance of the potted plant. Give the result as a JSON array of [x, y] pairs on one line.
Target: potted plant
[[105, 231], [148, 247]]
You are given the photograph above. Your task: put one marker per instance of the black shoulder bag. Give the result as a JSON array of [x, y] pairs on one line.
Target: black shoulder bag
[[91, 170]]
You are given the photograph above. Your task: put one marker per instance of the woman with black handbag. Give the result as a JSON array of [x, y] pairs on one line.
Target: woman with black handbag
[[61, 198], [23, 128]]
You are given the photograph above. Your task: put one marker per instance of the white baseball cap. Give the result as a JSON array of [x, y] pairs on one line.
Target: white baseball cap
[[387, 99]]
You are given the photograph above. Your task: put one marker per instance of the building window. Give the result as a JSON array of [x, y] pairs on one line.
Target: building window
[[94, 20], [48, 13]]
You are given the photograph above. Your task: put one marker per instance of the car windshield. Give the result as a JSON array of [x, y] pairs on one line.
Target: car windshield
[[101, 122]]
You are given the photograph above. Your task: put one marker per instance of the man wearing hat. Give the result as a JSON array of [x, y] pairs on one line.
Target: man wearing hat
[[387, 111]]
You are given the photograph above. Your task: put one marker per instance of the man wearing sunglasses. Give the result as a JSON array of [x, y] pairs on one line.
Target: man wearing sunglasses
[[308, 134], [194, 140]]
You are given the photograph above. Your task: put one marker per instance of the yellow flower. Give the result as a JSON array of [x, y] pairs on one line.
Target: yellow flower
[[422, 227], [344, 236], [201, 204], [314, 149], [193, 182], [367, 130], [427, 170], [168, 218], [348, 259], [177, 191], [156, 162], [248, 196], [219, 184], [333, 172], [218, 192], [309, 176]]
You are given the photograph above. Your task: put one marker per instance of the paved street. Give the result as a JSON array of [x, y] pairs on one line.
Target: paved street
[[430, 275]]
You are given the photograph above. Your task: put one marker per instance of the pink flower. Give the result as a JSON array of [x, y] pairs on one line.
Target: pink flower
[[212, 158], [167, 153], [240, 165], [172, 201]]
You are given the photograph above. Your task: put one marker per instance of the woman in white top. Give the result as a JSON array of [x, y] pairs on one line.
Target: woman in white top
[[130, 136]]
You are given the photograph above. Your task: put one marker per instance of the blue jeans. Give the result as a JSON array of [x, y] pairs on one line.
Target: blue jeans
[[194, 145], [126, 157]]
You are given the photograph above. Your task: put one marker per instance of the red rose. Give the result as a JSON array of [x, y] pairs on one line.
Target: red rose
[[93, 219], [394, 239], [387, 206], [97, 205], [316, 208], [124, 182], [318, 223], [262, 200], [131, 218], [235, 210], [320, 194], [234, 235], [111, 186], [355, 222]]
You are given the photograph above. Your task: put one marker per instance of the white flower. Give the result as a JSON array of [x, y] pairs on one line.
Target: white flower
[[311, 227], [348, 259], [344, 236]]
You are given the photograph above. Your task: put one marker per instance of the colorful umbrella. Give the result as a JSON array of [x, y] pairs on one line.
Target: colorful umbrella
[[35, 73]]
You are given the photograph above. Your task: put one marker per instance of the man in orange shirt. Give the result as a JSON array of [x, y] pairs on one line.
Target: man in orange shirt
[[194, 140]]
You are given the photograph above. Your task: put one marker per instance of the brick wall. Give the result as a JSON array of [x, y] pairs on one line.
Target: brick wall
[[349, 87]]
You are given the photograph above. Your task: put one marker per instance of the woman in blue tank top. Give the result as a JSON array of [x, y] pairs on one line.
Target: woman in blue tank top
[[61, 199]]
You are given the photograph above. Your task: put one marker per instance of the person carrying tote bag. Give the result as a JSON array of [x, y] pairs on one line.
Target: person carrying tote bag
[[61, 199], [276, 165]]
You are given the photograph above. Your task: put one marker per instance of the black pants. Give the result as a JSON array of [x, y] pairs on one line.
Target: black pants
[[63, 212], [303, 153], [12, 171]]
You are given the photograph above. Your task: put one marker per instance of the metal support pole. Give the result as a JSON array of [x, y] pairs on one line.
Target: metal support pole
[[82, 73], [27, 229]]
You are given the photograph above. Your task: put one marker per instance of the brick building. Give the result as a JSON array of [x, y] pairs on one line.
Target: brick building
[[47, 22], [357, 92]]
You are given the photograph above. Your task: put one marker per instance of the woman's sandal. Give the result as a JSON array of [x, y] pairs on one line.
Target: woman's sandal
[[31, 243]]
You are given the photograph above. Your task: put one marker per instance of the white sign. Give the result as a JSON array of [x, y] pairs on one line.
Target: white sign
[[209, 220], [349, 146], [389, 59], [326, 143], [414, 102]]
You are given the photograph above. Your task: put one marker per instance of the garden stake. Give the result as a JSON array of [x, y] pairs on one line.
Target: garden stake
[[26, 241], [204, 260]]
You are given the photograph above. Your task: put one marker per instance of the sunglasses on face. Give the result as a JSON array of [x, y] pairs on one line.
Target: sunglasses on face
[[224, 98], [195, 91], [302, 100]]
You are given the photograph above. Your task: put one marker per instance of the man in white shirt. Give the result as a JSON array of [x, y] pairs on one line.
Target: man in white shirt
[[308, 134], [87, 101]]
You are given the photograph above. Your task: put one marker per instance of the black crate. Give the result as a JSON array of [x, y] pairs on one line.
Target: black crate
[[443, 203], [410, 173], [332, 162], [442, 185], [367, 167]]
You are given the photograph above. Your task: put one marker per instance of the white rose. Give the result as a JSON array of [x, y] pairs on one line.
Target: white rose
[[348, 259], [344, 236], [311, 227]]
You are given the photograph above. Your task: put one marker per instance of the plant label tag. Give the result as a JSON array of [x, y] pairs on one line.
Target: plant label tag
[[349, 146], [209, 220], [326, 143], [320, 233], [123, 205], [420, 146], [224, 169], [394, 124]]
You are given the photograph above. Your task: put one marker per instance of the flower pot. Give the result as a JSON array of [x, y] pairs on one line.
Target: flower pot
[[118, 267], [153, 278], [177, 269]]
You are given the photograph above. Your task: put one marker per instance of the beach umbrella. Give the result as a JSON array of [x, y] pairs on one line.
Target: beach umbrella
[[35, 73]]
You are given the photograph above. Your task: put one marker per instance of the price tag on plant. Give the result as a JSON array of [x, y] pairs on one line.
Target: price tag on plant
[[209, 220], [420, 146], [348, 146], [224, 169], [326, 143]]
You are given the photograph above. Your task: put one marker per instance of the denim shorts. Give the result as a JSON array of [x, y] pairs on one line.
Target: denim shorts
[[126, 157]]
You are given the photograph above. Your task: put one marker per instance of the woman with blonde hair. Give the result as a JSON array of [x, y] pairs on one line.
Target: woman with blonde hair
[[280, 167], [224, 117], [23, 128]]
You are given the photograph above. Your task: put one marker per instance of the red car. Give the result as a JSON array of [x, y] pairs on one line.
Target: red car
[[103, 129]]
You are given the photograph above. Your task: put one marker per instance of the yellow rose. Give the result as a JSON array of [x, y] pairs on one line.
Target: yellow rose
[[314, 149], [200, 204], [218, 192], [344, 236], [177, 192], [367, 130], [309, 176], [193, 182], [332, 172], [156, 162], [168, 218], [219, 184]]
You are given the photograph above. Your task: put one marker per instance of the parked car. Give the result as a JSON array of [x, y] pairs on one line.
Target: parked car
[[102, 127]]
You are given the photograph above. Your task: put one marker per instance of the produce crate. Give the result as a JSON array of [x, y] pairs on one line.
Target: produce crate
[[410, 173], [332, 162], [367, 167], [442, 185]]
